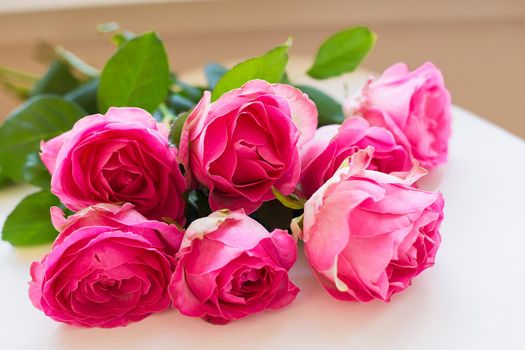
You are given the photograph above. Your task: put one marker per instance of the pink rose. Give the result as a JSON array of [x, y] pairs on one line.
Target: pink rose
[[124, 218], [414, 106], [122, 156], [332, 144], [229, 267], [368, 234], [247, 142], [108, 267]]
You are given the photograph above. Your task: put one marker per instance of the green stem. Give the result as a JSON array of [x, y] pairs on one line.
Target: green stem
[[21, 91], [167, 115], [77, 63], [16, 74]]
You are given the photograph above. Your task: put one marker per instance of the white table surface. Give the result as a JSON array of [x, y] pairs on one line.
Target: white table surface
[[473, 298]]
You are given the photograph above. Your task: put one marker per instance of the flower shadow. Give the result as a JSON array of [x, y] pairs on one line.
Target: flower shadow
[[314, 318]]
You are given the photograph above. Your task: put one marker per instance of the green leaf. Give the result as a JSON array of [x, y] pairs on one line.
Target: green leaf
[[197, 205], [136, 76], [30, 222], [85, 96], [58, 80], [4, 181], [270, 67], [214, 73], [286, 79], [330, 111], [290, 201], [40, 118], [192, 93], [342, 52], [121, 38], [180, 103], [176, 128]]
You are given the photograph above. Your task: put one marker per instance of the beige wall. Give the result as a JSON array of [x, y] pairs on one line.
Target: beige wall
[[479, 44]]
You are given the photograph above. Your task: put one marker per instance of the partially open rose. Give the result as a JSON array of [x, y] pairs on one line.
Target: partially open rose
[[246, 142], [414, 106], [332, 144], [368, 234], [122, 156]]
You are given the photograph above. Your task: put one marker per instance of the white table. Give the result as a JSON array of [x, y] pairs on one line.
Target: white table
[[473, 298]]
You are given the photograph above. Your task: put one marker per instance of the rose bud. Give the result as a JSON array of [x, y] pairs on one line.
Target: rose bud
[[368, 234], [108, 267], [122, 156], [332, 144], [229, 266], [246, 142], [414, 106]]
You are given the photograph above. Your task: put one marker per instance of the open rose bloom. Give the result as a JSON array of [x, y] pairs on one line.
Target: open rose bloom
[[122, 156], [367, 234], [109, 266], [230, 266]]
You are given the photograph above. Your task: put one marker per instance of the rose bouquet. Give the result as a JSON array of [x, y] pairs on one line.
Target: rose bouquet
[[158, 194]]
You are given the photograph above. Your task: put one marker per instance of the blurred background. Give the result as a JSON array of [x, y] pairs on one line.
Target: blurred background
[[478, 44]]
